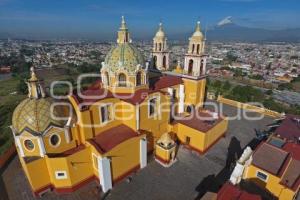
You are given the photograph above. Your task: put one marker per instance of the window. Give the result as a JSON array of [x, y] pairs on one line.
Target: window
[[190, 67], [138, 79], [29, 145], [54, 140], [105, 113], [187, 140], [261, 176], [95, 161], [164, 62], [122, 80], [61, 175], [152, 107]]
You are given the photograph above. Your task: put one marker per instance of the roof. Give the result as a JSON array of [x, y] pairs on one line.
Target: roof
[[203, 121], [96, 93], [230, 192], [289, 128], [124, 55], [34, 115], [283, 162], [110, 138], [269, 158]]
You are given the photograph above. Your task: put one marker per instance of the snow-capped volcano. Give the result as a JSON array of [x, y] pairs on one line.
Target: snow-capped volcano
[[225, 21]]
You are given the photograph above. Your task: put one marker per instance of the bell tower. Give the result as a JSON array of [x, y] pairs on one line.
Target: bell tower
[[195, 59], [160, 53]]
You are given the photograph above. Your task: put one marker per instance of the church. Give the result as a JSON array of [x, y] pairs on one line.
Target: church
[[106, 132]]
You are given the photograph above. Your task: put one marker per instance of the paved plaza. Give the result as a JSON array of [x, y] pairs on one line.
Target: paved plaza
[[189, 178]]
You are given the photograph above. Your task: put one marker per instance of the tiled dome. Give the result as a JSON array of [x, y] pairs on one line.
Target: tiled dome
[[35, 116], [124, 56]]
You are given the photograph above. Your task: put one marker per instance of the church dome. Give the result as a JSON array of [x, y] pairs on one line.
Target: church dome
[[124, 56], [160, 33], [35, 115]]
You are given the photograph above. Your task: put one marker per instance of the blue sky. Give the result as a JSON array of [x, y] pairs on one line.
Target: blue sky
[[101, 18]]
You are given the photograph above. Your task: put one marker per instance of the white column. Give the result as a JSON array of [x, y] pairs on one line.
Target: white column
[[170, 91], [104, 174], [41, 145], [181, 99], [18, 143], [137, 117], [143, 153]]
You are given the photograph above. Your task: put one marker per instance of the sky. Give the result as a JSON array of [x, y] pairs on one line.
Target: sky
[[100, 19]]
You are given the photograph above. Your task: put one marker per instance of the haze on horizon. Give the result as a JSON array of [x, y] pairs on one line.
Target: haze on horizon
[[97, 19]]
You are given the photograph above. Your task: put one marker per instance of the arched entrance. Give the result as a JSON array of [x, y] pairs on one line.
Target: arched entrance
[[122, 80], [138, 79], [164, 62]]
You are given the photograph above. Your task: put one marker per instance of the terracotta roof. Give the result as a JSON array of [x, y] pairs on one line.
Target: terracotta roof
[[110, 138], [291, 177], [167, 81], [289, 128], [269, 158], [95, 92], [230, 192], [203, 121]]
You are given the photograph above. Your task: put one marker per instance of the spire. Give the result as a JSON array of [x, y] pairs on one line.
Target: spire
[[123, 34], [123, 24], [35, 90], [198, 27]]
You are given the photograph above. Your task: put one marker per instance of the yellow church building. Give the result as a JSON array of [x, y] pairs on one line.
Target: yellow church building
[[106, 132]]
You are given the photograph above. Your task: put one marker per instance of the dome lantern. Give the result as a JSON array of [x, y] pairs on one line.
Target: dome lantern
[[35, 89]]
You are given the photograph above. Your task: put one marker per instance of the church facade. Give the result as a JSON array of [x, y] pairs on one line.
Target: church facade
[[109, 130]]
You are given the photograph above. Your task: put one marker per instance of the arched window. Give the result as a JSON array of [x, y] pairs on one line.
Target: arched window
[[154, 62], [164, 62], [191, 63], [138, 79], [198, 48], [107, 78], [159, 46], [122, 80], [193, 48], [201, 67]]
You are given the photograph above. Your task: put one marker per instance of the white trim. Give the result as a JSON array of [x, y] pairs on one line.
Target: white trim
[[181, 99], [259, 171], [156, 110], [137, 117], [67, 134], [93, 160], [104, 174], [59, 140], [111, 117], [41, 145], [19, 145], [143, 152], [65, 176]]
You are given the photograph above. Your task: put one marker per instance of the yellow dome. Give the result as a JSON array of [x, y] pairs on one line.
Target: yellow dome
[[35, 115], [198, 34], [160, 32], [124, 56], [165, 140]]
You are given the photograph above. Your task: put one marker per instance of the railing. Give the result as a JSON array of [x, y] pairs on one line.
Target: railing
[[249, 107]]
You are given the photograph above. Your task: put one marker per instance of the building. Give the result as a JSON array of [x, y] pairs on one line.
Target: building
[[275, 167], [230, 192], [104, 133]]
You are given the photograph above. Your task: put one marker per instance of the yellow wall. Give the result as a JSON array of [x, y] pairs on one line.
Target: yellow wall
[[194, 91], [272, 184], [159, 125], [62, 145], [36, 149], [124, 157], [198, 139], [164, 153]]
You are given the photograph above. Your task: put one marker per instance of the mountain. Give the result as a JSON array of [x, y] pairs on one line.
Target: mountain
[[227, 30]]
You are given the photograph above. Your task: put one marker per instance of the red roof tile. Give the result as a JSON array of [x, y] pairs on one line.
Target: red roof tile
[[289, 128], [110, 138], [167, 81], [230, 192], [269, 158], [203, 121]]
